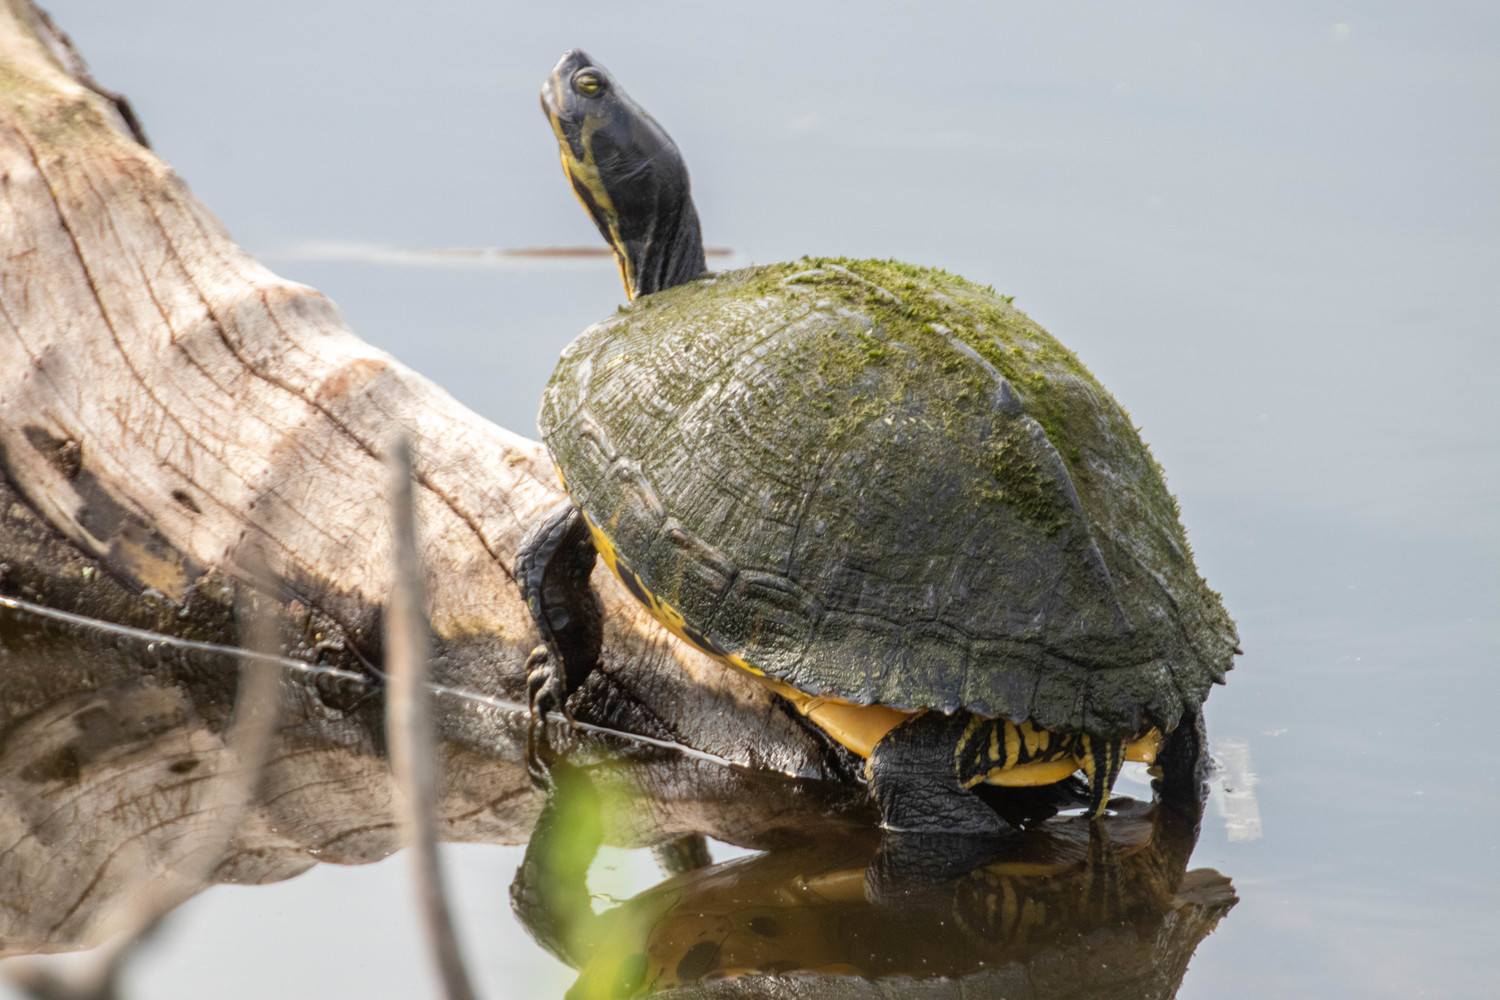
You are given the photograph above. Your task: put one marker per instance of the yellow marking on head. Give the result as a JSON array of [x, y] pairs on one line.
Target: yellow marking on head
[[1012, 741], [995, 744]]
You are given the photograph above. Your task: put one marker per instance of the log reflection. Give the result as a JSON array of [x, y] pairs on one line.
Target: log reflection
[[111, 743]]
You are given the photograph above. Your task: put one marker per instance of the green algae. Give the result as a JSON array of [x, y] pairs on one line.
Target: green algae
[[914, 315], [909, 305], [1036, 365], [1021, 483]]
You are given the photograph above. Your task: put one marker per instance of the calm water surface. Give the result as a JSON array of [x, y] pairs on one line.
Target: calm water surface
[[1272, 234]]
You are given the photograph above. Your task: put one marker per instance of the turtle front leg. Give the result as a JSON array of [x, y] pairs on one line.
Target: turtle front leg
[[1101, 761], [915, 776], [553, 568]]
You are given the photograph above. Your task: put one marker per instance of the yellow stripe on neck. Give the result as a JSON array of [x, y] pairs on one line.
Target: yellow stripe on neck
[[585, 173]]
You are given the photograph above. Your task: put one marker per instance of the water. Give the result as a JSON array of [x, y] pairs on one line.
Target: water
[[1270, 232]]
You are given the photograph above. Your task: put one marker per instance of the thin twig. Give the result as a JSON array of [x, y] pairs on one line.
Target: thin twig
[[475, 698], [164, 641], [409, 727]]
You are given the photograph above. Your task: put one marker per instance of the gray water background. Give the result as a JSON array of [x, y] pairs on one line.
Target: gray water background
[[1270, 229]]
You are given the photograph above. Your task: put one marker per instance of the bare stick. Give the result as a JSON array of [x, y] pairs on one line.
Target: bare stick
[[409, 727]]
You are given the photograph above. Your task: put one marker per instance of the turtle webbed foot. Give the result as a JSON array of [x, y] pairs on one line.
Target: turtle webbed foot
[[914, 780]]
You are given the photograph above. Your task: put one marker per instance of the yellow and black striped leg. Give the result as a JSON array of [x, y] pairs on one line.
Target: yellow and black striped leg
[[914, 775], [1101, 761]]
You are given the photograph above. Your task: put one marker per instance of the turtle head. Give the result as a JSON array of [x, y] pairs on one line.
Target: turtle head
[[627, 172]]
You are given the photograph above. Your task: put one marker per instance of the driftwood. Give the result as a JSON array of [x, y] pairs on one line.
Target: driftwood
[[167, 403], [169, 407]]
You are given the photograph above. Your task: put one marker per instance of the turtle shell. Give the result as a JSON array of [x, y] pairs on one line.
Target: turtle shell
[[887, 485]]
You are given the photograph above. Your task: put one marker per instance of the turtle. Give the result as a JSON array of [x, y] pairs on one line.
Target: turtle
[[880, 489]]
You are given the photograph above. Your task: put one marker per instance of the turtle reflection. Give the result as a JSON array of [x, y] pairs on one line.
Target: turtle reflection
[[1068, 909]]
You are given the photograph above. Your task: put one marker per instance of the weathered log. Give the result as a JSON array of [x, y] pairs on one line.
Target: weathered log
[[169, 406], [167, 402]]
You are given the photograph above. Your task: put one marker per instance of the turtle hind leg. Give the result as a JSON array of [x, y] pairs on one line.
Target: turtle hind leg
[[914, 777], [552, 569], [1182, 765], [1101, 761]]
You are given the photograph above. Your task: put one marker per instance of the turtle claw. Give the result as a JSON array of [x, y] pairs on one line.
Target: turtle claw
[[538, 755], [552, 570], [544, 694], [544, 683]]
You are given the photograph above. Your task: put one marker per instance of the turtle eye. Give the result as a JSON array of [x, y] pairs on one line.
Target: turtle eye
[[588, 83]]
